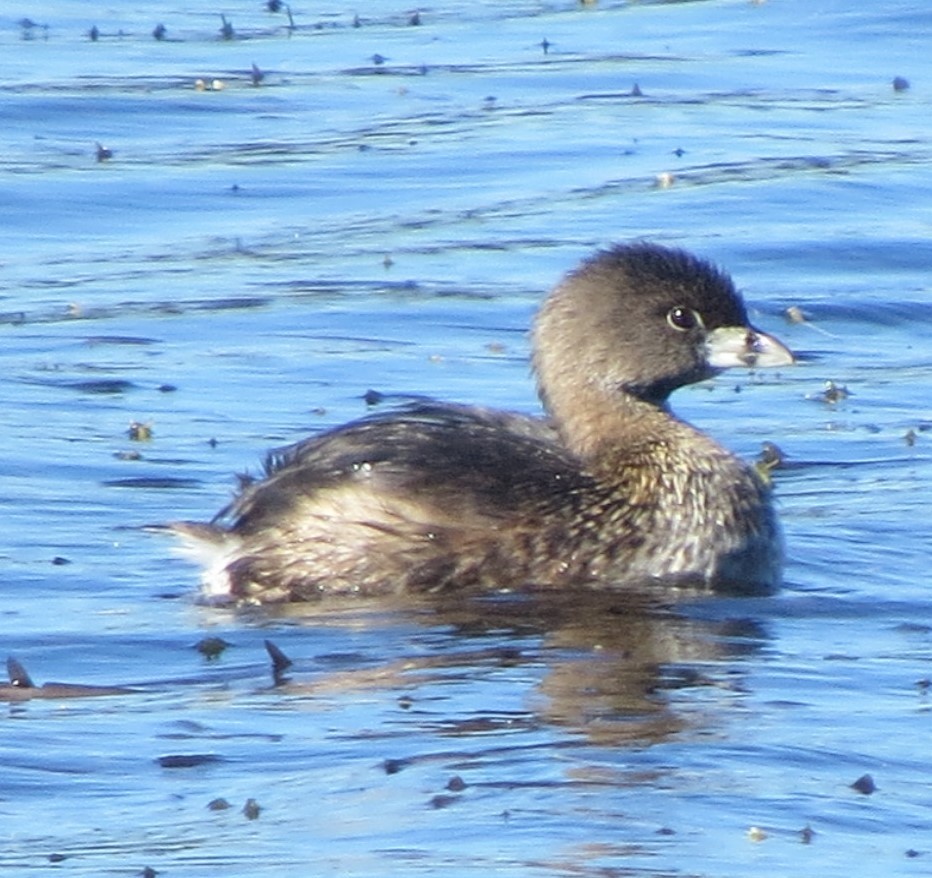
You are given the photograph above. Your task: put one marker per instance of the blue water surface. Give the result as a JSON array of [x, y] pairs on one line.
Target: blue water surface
[[233, 265]]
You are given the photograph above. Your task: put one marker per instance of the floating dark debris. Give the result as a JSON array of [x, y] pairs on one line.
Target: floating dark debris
[[22, 688], [139, 432], [188, 760], [102, 385], [158, 482], [211, 647], [770, 458], [441, 801], [832, 394], [280, 662]]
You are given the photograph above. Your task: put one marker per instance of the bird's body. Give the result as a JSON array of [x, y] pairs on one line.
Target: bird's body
[[610, 491]]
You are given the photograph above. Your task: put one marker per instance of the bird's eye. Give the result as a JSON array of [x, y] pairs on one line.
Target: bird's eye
[[683, 319]]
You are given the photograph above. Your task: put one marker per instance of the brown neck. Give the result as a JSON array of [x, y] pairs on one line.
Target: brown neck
[[600, 426]]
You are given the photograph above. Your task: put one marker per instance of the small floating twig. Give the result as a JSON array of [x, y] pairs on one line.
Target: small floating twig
[[22, 688]]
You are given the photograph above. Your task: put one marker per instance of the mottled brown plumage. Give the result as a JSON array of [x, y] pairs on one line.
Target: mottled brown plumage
[[611, 491]]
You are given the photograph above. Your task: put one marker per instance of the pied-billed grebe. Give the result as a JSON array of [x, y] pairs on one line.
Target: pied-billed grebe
[[611, 491]]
